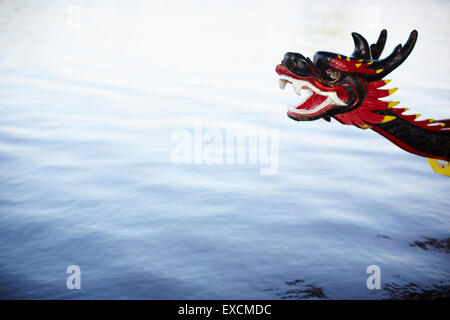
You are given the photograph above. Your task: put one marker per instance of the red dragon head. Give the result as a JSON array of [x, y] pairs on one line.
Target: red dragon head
[[348, 89], [343, 87]]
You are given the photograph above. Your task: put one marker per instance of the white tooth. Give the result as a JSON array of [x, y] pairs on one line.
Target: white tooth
[[282, 83], [297, 87]]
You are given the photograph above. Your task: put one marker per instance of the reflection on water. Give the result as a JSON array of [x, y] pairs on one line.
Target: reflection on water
[[412, 291], [300, 289], [86, 118], [433, 244]]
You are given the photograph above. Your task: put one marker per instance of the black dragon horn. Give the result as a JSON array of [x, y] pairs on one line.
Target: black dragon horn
[[377, 48], [397, 56], [362, 49]]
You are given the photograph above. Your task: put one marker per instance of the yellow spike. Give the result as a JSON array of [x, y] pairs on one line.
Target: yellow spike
[[387, 81], [431, 120], [339, 56], [442, 124], [348, 59], [388, 118], [360, 60], [365, 126], [393, 103], [406, 109], [369, 63], [379, 70], [357, 65], [417, 115], [391, 91]]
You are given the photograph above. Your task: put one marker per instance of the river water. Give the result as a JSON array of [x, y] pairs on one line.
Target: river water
[[91, 93]]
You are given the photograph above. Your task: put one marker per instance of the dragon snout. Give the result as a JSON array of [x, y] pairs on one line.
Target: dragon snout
[[296, 63]]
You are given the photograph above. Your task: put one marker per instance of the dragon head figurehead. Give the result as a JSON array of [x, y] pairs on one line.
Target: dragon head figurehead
[[340, 86], [349, 88]]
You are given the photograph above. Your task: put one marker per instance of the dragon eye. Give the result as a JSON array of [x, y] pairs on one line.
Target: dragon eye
[[333, 75]]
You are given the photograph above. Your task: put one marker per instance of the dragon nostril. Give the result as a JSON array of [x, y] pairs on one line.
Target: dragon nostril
[[300, 64], [287, 59], [292, 57], [296, 63]]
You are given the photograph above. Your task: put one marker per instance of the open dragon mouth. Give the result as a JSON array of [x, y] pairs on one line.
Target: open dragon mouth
[[316, 101]]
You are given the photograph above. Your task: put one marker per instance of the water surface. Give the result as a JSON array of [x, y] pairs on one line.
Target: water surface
[[87, 110]]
